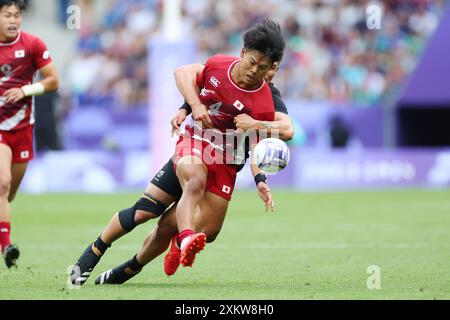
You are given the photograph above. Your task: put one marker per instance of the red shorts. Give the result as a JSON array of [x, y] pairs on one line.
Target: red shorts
[[21, 143], [221, 177]]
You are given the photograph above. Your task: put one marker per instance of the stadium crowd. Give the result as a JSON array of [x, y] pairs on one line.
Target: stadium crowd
[[331, 55]]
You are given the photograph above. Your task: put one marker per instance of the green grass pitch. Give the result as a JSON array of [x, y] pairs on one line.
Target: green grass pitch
[[316, 246]]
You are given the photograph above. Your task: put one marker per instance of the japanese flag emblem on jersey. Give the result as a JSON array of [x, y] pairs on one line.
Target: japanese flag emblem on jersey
[[226, 189], [238, 105], [20, 53]]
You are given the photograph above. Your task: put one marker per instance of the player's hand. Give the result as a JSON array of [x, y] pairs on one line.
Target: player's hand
[[178, 120], [200, 113], [266, 196], [14, 95], [244, 122]]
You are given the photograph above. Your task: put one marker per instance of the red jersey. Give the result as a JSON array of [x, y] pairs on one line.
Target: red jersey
[[19, 62], [225, 99]]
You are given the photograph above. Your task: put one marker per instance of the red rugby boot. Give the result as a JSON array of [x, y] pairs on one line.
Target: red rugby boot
[[172, 258], [190, 247]]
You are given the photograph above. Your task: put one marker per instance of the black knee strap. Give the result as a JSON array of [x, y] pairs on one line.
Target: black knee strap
[[153, 206], [127, 216]]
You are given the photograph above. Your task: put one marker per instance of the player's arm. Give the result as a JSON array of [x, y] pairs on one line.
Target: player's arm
[[262, 186], [50, 80], [178, 120], [186, 107], [48, 83], [281, 126], [186, 80]]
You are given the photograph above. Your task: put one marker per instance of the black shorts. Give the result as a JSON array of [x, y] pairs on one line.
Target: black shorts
[[167, 180]]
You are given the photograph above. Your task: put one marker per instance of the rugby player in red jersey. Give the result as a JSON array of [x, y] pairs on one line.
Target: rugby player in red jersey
[[21, 56], [166, 188], [253, 98], [229, 87]]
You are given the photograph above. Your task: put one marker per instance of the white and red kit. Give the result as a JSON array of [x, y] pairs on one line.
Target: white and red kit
[[19, 62], [225, 100]]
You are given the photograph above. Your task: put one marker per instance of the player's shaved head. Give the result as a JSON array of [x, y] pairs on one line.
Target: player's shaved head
[[266, 38], [18, 3]]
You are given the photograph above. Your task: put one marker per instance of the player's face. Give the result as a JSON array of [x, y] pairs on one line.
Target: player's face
[[272, 71], [10, 20], [254, 66]]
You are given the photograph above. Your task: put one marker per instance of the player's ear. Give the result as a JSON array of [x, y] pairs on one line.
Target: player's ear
[[243, 51]]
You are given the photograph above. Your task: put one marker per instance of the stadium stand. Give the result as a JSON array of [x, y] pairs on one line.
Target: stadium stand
[[331, 55]]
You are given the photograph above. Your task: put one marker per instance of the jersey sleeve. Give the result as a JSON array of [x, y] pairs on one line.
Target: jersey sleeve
[[211, 63], [201, 76], [41, 55], [277, 101], [200, 79]]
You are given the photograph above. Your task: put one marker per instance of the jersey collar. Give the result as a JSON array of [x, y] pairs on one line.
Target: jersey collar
[[4, 44]]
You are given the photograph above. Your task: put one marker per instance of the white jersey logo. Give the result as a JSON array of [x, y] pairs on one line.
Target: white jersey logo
[[206, 92], [20, 54], [46, 55], [214, 82], [159, 175]]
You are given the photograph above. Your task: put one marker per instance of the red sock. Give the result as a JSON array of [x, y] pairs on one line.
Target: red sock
[[184, 234], [5, 230]]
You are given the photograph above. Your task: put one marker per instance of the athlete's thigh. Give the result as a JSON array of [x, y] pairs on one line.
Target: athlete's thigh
[[188, 160], [159, 194], [190, 166], [168, 220], [211, 213], [17, 173], [5, 160], [162, 191]]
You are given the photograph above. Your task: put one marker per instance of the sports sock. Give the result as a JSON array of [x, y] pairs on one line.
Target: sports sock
[[101, 246], [5, 230], [184, 234], [120, 273]]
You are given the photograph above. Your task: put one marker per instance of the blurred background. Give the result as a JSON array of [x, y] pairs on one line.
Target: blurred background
[[371, 108]]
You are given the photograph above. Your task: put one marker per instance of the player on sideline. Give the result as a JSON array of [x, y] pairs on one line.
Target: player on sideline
[[167, 186], [21, 56], [233, 72]]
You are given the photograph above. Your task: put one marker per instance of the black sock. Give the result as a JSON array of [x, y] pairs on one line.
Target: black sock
[[101, 246], [120, 275]]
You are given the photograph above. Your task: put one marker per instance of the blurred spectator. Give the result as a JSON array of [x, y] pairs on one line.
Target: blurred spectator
[[331, 55], [46, 130], [339, 133]]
